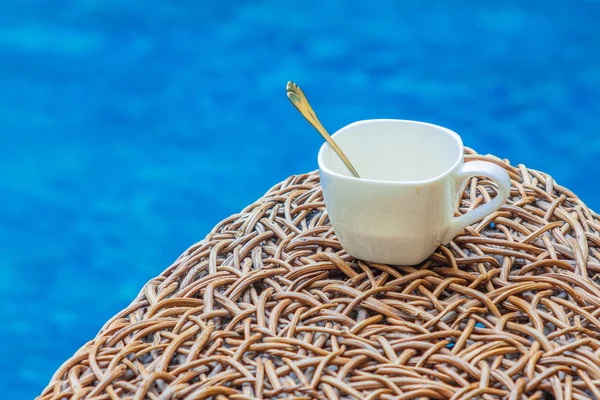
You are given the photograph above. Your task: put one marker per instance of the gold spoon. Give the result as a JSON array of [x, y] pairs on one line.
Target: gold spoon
[[298, 99]]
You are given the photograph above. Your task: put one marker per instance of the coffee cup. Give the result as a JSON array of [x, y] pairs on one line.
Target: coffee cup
[[411, 177]]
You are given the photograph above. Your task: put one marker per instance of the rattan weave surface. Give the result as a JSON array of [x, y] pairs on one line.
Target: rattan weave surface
[[270, 306]]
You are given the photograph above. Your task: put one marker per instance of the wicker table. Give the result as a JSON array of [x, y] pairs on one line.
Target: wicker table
[[270, 306]]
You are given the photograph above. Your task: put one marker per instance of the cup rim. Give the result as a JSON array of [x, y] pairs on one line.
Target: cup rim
[[453, 134]]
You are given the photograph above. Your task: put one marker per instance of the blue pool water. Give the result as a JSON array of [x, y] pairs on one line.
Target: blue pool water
[[129, 128]]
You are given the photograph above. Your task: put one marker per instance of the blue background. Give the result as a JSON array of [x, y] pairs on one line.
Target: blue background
[[129, 128]]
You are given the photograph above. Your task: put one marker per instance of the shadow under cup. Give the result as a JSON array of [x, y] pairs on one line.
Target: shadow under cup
[[394, 150]]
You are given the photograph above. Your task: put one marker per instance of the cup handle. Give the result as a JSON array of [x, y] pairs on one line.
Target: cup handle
[[467, 171]]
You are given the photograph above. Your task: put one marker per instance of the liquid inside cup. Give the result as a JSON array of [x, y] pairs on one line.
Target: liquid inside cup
[[395, 150]]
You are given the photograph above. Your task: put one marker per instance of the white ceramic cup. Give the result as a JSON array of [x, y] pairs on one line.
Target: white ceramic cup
[[411, 175]]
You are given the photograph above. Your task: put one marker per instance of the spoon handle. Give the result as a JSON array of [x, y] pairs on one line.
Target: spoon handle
[[298, 99]]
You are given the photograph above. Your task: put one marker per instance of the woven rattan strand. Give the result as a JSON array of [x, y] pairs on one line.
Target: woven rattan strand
[[269, 306]]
